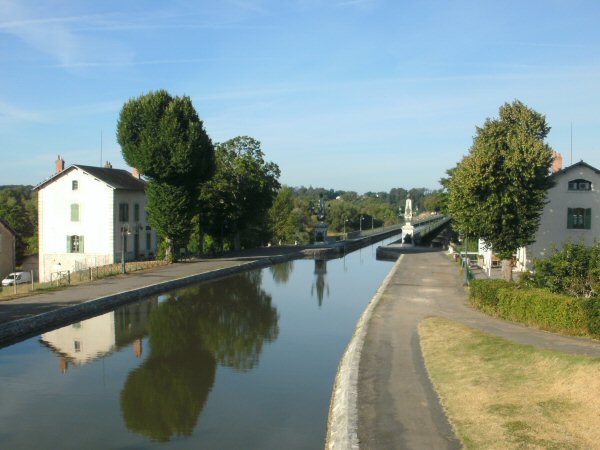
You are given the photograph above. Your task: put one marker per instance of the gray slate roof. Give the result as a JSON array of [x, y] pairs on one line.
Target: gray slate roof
[[116, 178], [573, 166]]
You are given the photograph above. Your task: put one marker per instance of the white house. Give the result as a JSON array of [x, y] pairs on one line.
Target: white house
[[572, 212], [88, 215], [92, 339]]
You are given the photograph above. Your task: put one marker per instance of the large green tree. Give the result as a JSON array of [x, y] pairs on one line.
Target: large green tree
[[497, 192], [236, 201], [18, 207], [280, 215], [163, 137]]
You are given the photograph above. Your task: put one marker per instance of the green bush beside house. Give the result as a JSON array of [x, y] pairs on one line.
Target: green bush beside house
[[537, 307]]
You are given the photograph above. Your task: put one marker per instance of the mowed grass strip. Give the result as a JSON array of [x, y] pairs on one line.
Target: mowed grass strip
[[501, 395]]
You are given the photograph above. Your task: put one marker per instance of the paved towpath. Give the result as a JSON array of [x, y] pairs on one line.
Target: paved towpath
[[396, 405], [42, 302]]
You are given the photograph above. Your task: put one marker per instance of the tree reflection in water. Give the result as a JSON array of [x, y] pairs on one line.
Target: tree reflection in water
[[282, 271], [223, 322]]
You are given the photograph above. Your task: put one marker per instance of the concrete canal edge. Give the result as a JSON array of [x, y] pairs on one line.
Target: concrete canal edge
[[342, 427], [21, 329]]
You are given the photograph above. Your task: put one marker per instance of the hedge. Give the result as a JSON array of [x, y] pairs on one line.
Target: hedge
[[484, 293], [538, 307]]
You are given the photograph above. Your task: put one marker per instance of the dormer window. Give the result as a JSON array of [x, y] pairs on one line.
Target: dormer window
[[580, 185], [75, 185]]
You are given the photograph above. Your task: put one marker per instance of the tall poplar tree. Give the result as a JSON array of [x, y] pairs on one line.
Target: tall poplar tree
[[498, 191], [163, 137]]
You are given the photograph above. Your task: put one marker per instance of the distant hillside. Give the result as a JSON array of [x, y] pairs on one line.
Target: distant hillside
[[16, 186]]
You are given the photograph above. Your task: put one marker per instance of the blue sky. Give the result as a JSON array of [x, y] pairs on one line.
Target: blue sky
[[346, 94]]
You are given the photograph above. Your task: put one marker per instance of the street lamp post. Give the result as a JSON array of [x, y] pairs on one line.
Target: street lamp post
[[466, 264], [124, 232], [345, 235], [360, 223]]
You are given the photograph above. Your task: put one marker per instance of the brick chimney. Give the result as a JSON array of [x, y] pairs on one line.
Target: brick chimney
[[558, 162], [60, 164], [135, 173]]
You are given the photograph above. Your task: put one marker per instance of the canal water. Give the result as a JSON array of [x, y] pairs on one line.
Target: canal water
[[247, 362]]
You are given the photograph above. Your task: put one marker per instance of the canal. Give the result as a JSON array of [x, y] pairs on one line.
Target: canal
[[244, 362]]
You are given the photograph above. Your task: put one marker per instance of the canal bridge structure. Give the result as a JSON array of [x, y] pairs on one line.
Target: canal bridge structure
[[429, 231]]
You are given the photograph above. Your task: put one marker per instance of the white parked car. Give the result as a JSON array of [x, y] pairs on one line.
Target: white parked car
[[19, 277]]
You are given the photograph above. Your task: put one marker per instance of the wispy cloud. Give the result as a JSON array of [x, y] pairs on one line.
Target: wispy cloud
[[355, 2], [251, 6], [11, 114], [56, 37]]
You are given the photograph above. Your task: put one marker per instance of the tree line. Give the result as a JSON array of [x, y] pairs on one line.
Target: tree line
[[205, 197]]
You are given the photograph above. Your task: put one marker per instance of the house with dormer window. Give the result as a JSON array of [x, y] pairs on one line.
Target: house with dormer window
[[572, 212], [90, 216]]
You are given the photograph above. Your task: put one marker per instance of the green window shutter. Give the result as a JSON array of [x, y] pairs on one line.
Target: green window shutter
[[74, 212], [587, 219], [81, 249], [68, 244], [569, 217]]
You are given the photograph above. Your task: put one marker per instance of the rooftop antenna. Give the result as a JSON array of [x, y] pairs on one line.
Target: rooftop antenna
[[571, 143], [100, 147]]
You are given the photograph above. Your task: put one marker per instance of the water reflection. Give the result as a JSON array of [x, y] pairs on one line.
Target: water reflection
[[91, 339], [282, 271], [225, 322], [320, 285]]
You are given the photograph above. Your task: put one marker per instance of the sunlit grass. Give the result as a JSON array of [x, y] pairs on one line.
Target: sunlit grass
[[501, 395]]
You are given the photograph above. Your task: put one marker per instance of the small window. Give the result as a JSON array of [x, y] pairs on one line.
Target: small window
[[580, 185], [123, 212], [75, 185], [136, 212], [74, 212], [579, 218], [77, 346], [148, 241], [74, 244]]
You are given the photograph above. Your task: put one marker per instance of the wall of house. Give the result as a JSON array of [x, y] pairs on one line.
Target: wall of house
[[553, 229], [6, 251], [95, 224], [135, 229], [84, 341]]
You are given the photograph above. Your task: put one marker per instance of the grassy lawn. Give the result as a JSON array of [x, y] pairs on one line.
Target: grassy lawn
[[501, 395]]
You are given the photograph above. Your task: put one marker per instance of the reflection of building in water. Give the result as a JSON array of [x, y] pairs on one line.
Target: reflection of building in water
[[85, 341], [320, 284]]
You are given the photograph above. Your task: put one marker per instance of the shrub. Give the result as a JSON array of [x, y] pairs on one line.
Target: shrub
[[538, 307], [592, 307], [572, 270], [484, 293], [550, 311]]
